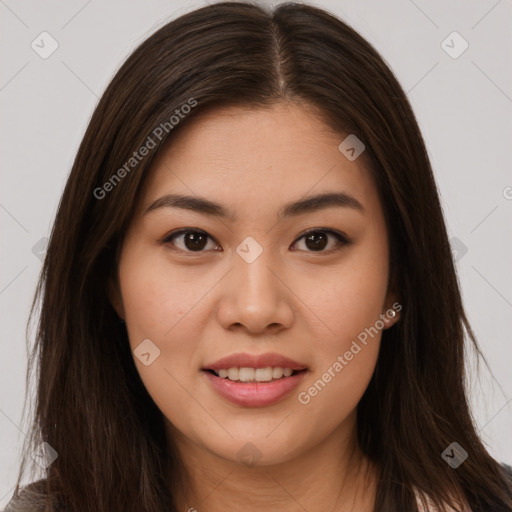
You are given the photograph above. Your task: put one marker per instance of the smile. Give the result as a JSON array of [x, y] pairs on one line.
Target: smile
[[247, 391], [254, 374]]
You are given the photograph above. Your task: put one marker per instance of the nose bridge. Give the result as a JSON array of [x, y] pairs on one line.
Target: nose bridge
[[254, 282], [254, 296]]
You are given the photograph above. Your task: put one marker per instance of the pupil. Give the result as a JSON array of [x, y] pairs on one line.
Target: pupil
[[316, 241], [195, 241]]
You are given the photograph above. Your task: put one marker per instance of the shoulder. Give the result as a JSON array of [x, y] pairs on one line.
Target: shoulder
[[30, 498], [508, 471]]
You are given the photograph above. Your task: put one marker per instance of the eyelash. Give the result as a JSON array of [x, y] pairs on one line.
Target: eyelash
[[342, 239]]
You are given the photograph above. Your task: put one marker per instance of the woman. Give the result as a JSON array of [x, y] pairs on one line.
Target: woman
[[249, 298]]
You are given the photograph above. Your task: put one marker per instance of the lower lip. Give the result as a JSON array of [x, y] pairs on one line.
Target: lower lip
[[254, 394]]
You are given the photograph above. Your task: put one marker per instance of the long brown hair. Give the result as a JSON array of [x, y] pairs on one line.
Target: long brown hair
[[91, 406]]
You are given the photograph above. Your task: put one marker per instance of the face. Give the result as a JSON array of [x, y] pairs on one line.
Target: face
[[256, 278]]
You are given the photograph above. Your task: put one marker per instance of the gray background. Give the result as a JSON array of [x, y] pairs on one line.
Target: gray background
[[463, 105]]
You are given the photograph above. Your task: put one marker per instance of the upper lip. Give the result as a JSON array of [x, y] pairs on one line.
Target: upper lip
[[244, 360]]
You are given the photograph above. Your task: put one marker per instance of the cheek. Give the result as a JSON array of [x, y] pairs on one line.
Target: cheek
[[350, 304], [156, 300], [344, 361], [155, 296], [330, 398], [352, 296]]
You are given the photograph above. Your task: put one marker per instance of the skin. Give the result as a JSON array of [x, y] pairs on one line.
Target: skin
[[307, 305]]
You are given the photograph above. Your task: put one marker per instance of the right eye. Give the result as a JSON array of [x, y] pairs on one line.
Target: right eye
[[188, 240]]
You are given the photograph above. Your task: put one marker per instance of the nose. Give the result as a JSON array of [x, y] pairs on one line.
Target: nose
[[255, 298]]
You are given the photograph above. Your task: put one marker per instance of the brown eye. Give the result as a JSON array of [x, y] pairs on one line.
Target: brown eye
[[317, 240], [191, 240]]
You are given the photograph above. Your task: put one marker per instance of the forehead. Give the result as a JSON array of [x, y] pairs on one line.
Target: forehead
[[259, 156]]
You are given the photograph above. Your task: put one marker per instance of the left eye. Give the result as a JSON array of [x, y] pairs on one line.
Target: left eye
[[315, 240]]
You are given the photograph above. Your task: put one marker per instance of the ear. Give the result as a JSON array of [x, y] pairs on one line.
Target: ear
[[392, 305], [114, 295]]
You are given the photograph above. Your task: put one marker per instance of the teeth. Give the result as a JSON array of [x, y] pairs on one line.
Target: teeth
[[233, 374], [246, 374], [254, 374], [263, 374]]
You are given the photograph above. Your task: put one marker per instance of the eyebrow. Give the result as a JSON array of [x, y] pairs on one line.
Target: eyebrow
[[305, 205]]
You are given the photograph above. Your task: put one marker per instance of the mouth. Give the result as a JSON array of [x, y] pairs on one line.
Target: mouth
[[247, 389], [254, 380]]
